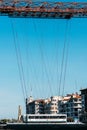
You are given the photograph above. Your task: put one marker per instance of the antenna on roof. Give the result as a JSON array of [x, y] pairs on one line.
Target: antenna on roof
[[31, 92], [76, 85]]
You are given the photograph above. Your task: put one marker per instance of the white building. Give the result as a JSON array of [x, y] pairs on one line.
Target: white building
[[34, 106], [42, 106], [51, 106], [71, 105]]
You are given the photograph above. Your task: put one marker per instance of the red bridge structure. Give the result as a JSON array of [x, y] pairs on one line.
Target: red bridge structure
[[27, 8]]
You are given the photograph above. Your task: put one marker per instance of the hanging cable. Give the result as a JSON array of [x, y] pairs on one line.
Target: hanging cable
[[46, 67], [16, 50], [54, 60], [66, 59], [28, 52], [43, 60], [57, 58], [63, 57], [35, 28], [36, 75], [20, 66]]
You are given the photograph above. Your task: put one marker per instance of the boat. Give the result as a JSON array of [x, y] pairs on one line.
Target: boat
[[44, 126], [45, 118], [44, 122]]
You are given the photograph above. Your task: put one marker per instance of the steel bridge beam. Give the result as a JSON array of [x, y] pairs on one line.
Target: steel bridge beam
[[26, 8]]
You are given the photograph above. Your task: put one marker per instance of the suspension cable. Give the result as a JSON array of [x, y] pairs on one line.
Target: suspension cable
[[35, 28], [57, 60], [21, 65], [28, 51], [16, 50], [63, 57], [66, 59], [43, 59], [19, 61]]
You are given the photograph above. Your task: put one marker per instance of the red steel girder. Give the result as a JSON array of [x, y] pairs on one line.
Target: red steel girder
[[27, 8]]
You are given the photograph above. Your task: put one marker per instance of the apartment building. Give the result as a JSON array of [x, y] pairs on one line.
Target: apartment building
[[71, 105], [83, 116], [34, 106], [42, 106], [84, 99], [51, 107]]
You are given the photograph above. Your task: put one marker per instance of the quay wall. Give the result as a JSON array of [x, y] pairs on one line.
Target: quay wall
[[43, 126]]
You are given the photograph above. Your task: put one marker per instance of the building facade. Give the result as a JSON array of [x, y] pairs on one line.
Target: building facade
[[83, 116], [51, 106], [84, 100], [71, 105], [34, 106], [42, 106]]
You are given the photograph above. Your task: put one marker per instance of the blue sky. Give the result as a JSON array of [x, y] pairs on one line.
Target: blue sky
[[41, 44]]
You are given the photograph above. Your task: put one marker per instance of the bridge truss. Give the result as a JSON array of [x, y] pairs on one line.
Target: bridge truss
[[27, 8]]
